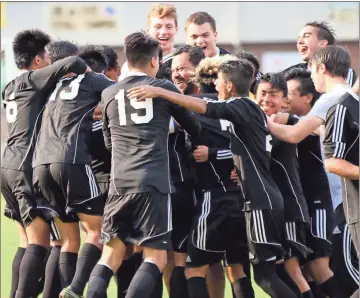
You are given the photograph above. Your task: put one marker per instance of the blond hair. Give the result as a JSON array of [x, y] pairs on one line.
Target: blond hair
[[163, 11]]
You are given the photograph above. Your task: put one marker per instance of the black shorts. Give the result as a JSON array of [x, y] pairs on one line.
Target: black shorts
[[319, 240], [265, 230], [296, 235], [344, 261], [143, 219], [68, 189], [19, 194], [218, 230], [183, 208]]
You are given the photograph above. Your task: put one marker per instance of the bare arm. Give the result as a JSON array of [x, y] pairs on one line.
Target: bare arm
[[342, 168], [295, 133], [194, 104]]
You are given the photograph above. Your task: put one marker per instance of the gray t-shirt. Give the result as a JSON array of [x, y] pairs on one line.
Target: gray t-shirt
[[327, 100]]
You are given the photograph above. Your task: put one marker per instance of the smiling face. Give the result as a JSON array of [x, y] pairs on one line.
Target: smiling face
[[270, 100], [202, 36], [163, 30], [181, 70], [308, 43]]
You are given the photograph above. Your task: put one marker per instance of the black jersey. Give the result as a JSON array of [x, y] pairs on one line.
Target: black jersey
[[68, 118], [165, 67], [137, 133], [180, 167], [101, 156], [250, 146], [285, 171], [24, 101], [342, 141], [311, 168], [215, 173]]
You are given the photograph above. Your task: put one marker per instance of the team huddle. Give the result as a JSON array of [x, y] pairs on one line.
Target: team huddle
[[184, 165]]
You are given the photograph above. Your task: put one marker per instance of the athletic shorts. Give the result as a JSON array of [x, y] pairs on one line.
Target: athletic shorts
[[218, 230], [68, 189], [322, 224], [142, 219], [183, 208], [344, 261], [296, 235], [265, 231]]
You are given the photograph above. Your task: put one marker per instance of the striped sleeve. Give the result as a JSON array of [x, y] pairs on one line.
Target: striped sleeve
[[351, 77], [223, 154], [335, 132]]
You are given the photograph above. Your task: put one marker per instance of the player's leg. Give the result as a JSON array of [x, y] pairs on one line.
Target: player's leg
[[237, 253], [296, 235], [264, 230], [151, 216], [183, 208], [88, 203], [215, 280], [169, 268]]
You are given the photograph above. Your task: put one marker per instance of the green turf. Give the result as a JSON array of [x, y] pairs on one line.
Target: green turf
[[9, 243]]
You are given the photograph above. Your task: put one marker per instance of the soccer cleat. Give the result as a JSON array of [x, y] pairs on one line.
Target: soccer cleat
[[68, 293]]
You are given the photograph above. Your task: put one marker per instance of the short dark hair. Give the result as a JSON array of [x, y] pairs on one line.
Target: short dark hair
[[61, 49], [27, 45], [240, 73], [196, 54], [94, 57], [306, 84], [112, 57], [200, 18], [276, 80], [325, 32], [336, 59], [242, 54], [139, 48]]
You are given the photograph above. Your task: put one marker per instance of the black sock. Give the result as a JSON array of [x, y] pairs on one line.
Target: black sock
[[67, 267], [144, 281], [197, 287], [286, 278], [15, 270], [99, 281], [178, 285], [124, 276], [31, 270], [242, 288], [331, 288], [308, 294], [317, 293], [42, 280], [265, 276], [87, 259], [158, 290], [52, 286]]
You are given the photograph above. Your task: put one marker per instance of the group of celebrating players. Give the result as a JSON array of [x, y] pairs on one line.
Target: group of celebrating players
[[184, 164]]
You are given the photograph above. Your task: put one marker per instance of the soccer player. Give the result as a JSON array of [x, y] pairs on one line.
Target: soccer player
[[302, 96], [62, 172], [113, 71], [271, 95], [341, 144], [138, 209], [24, 100], [200, 30], [250, 148], [52, 285], [313, 37]]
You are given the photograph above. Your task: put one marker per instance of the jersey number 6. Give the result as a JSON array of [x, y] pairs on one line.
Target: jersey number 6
[[147, 105]]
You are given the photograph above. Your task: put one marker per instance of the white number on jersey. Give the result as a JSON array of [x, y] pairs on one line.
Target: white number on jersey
[[268, 143], [147, 105], [224, 124], [11, 109], [68, 95]]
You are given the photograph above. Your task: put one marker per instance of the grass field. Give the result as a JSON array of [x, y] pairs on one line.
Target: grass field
[[9, 243]]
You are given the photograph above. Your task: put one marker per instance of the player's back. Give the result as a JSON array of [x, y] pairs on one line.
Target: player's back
[[68, 118], [139, 137]]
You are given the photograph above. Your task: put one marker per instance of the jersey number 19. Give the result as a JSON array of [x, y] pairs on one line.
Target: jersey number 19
[[147, 105]]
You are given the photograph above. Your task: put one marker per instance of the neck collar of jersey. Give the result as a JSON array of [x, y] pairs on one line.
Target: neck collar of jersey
[[217, 52], [136, 74], [338, 87]]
